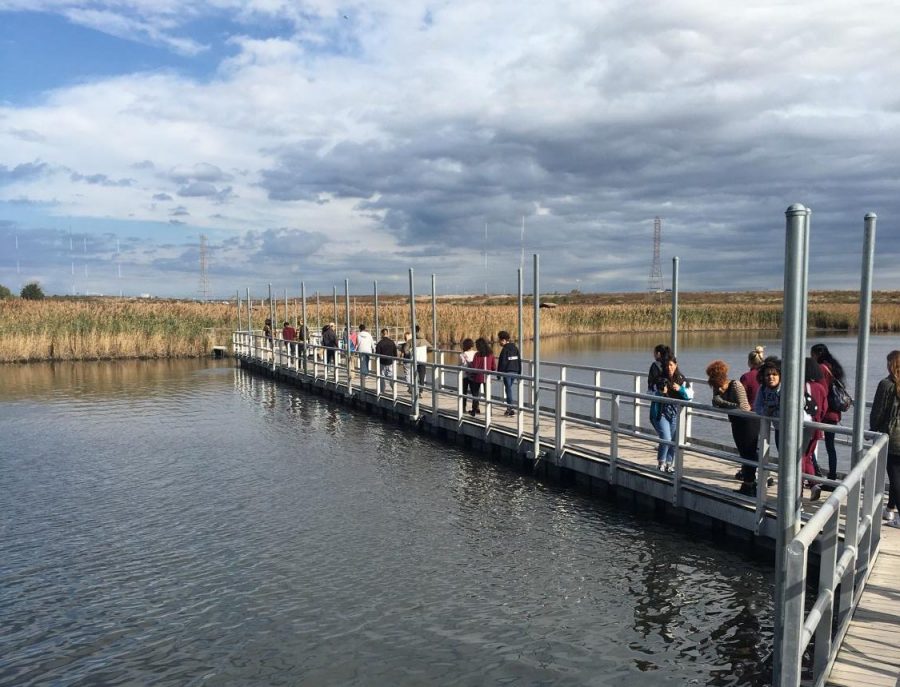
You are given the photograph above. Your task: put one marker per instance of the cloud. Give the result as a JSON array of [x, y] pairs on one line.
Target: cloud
[[180, 211], [406, 132], [22, 172]]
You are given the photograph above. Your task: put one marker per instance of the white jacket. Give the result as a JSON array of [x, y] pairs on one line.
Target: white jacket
[[364, 342]]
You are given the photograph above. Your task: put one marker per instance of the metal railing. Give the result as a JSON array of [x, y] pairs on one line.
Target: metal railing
[[843, 563]]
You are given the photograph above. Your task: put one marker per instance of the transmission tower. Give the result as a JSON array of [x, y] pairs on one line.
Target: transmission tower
[[655, 282], [204, 277]]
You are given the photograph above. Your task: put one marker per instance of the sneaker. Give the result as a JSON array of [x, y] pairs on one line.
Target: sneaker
[[510, 413], [895, 523], [888, 514], [661, 467], [669, 468], [815, 492]]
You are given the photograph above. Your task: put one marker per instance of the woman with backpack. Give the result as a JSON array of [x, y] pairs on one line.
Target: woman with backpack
[[833, 372], [730, 393], [885, 417]]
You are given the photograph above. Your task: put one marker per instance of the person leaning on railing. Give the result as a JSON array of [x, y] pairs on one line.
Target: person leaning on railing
[[730, 394], [885, 418]]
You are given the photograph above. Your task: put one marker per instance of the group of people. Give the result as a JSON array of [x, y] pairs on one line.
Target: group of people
[[478, 359], [758, 390]]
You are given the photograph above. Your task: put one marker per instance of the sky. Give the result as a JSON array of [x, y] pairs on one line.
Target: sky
[[319, 141]]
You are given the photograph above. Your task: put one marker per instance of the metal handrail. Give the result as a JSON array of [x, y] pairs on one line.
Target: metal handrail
[[854, 564]]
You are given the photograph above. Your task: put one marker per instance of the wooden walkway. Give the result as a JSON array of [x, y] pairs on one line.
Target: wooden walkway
[[870, 653], [704, 488]]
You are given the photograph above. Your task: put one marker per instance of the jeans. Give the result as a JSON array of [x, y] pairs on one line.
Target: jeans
[[667, 429], [893, 473], [364, 363], [508, 386], [469, 389]]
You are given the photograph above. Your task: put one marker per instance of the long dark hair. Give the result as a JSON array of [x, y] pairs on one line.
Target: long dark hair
[[482, 347], [676, 377], [822, 355]]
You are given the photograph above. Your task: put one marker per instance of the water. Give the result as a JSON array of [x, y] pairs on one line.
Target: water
[[185, 523]]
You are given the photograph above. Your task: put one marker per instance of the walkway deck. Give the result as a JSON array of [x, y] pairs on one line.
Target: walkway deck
[[702, 490]]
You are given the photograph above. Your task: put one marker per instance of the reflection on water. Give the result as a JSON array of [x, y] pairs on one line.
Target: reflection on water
[[187, 522]]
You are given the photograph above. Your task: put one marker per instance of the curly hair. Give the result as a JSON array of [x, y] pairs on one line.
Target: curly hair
[[717, 371]]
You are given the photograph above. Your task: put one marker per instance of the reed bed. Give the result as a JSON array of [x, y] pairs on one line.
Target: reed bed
[[107, 328]]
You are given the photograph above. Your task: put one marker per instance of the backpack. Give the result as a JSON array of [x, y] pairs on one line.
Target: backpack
[[838, 398], [810, 407]]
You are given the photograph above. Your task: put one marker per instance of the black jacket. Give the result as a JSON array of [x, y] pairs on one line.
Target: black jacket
[[386, 347], [509, 360], [329, 338]]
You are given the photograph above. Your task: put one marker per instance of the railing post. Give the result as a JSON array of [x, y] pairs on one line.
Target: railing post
[[789, 647], [762, 474], [789, 580], [460, 376], [412, 360], [347, 340], [597, 396], [536, 389], [614, 408], [488, 402], [638, 388], [304, 329], [827, 564], [675, 305], [560, 418], [679, 457]]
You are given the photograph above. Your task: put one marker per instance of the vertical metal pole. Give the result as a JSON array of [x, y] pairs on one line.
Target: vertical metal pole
[[249, 312], [536, 366], [377, 332], [436, 377], [287, 315], [414, 374], [805, 312], [238, 308], [318, 313], [791, 428], [303, 329], [434, 342], [851, 526], [520, 336], [675, 305], [347, 341], [862, 346], [334, 299]]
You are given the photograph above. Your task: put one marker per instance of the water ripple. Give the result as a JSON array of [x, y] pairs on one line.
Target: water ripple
[[176, 524]]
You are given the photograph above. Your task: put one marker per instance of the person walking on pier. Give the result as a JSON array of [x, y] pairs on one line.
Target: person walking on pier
[[482, 363], [509, 362], [422, 348], [885, 418], [664, 416], [365, 346], [833, 372], [749, 379], [288, 334], [466, 358], [729, 393], [386, 350], [768, 399], [330, 342]]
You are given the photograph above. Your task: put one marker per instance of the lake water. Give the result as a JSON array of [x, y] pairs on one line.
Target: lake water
[[188, 523]]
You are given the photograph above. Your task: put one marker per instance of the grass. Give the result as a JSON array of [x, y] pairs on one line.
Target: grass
[[109, 328]]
